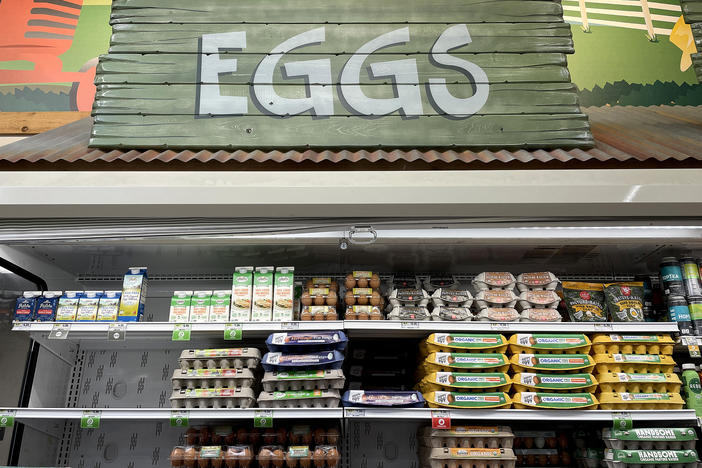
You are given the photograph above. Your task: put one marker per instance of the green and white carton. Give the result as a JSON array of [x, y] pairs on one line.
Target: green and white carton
[[242, 290], [180, 307], [284, 294], [262, 309], [219, 306], [200, 306]]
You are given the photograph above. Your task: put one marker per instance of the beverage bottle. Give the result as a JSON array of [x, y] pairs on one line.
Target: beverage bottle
[[692, 389]]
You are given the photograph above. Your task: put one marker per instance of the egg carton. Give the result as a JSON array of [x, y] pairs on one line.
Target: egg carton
[[382, 398], [305, 457], [646, 458], [322, 379], [275, 361], [503, 298], [364, 312], [540, 315], [469, 458], [554, 401], [307, 340], [491, 280], [454, 297], [639, 383], [556, 363], [464, 342], [640, 401], [228, 358], [362, 279], [234, 456], [322, 282], [319, 296], [299, 399], [634, 363], [537, 280], [467, 437], [562, 383], [451, 314], [213, 398], [318, 313], [465, 362], [212, 378], [417, 297], [467, 400], [632, 344], [465, 382], [363, 296], [656, 438], [539, 299], [413, 313], [552, 343], [498, 314]]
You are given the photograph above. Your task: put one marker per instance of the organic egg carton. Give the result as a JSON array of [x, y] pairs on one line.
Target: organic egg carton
[[632, 344], [467, 400], [494, 280], [537, 280], [463, 342], [497, 314], [465, 362], [469, 458], [556, 363], [640, 401], [363, 312], [318, 313], [467, 437], [228, 358], [451, 314], [563, 343], [466, 382], [656, 438], [213, 398], [634, 363], [322, 379], [639, 383], [648, 458], [555, 401], [299, 399], [212, 378], [561, 383]]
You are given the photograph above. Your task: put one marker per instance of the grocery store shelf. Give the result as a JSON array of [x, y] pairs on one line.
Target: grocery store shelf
[[144, 414], [677, 416]]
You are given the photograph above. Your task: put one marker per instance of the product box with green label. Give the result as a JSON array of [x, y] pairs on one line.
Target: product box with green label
[[219, 306], [109, 306], [68, 306], [284, 294], [88, 306], [131, 306], [242, 290], [200, 306], [180, 307], [262, 309]]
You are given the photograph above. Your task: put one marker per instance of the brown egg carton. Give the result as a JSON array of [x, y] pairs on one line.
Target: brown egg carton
[[224, 358], [322, 379], [275, 456], [319, 296], [214, 456], [299, 399], [212, 378], [299, 434], [322, 312], [322, 282], [213, 398], [362, 279], [363, 312], [363, 296]]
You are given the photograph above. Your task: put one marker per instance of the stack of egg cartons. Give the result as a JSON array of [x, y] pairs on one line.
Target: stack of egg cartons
[[636, 372], [303, 370], [658, 446], [466, 446], [552, 371], [464, 371], [538, 300], [495, 300], [451, 300], [215, 378], [408, 300]]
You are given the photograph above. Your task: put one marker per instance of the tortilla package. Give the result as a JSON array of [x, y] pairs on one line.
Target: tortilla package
[[625, 301], [585, 301]]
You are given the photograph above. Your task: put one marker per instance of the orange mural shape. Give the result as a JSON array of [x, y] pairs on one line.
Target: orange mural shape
[[682, 37]]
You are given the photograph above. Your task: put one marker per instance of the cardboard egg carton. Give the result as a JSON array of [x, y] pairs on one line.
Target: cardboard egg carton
[[551, 343], [464, 362], [656, 438], [640, 401], [299, 399], [649, 458], [539, 299], [225, 358], [634, 363], [413, 313], [561, 383], [556, 363], [465, 382], [469, 458], [463, 342], [501, 298], [455, 297], [492, 280], [468, 400], [212, 378], [540, 315], [323, 379], [632, 344], [639, 383], [213, 398], [537, 280], [451, 314], [467, 436], [555, 401]]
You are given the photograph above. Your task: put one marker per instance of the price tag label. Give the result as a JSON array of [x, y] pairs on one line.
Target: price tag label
[[502, 326], [263, 418], [90, 420], [441, 419], [621, 420], [692, 346], [233, 331], [603, 327], [410, 325], [180, 418], [181, 332], [355, 413], [7, 418], [116, 332], [289, 325], [59, 331], [22, 326]]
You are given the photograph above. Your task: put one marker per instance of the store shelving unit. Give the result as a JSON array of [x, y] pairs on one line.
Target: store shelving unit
[[164, 414]]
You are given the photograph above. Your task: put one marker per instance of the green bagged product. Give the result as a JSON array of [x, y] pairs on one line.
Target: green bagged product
[[585, 301], [625, 301]]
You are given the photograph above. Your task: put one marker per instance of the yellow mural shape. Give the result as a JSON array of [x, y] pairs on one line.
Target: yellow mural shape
[[682, 37]]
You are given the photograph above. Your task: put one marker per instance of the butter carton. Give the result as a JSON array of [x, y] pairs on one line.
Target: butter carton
[[88, 306], [68, 306], [131, 306], [262, 294], [200, 305], [180, 307], [219, 306], [108, 308], [283, 294], [26, 305], [45, 310], [242, 290]]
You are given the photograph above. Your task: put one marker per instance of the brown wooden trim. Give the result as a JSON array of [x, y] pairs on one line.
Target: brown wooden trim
[[31, 123]]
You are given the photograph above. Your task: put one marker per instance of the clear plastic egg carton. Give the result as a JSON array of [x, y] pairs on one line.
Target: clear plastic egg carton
[[323, 379], [634, 363], [300, 399], [648, 458], [212, 378], [639, 383], [640, 401], [226, 358], [469, 458], [494, 437], [632, 344], [655, 438], [213, 398]]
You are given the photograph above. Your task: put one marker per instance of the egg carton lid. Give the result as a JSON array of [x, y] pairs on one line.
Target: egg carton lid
[[468, 400], [635, 398], [540, 315], [652, 457], [537, 280], [447, 453], [381, 398], [465, 341], [548, 400], [498, 314], [238, 392], [401, 312], [554, 382], [276, 361], [298, 395], [613, 338], [200, 354], [651, 359], [549, 341], [203, 374], [494, 280], [317, 374], [540, 297], [496, 296], [299, 340], [467, 380], [652, 378], [468, 431], [651, 434], [467, 360], [555, 362], [450, 314]]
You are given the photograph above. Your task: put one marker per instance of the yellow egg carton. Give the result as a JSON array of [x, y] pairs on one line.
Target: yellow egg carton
[[463, 343], [561, 383], [464, 362], [555, 363], [465, 382], [634, 363], [639, 383], [556, 401], [632, 344], [563, 343], [467, 400], [640, 401]]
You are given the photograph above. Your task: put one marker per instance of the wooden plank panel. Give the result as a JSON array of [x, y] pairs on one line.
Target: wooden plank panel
[[336, 11], [30, 123], [182, 69], [184, 38], [527, 98], [254, 132]]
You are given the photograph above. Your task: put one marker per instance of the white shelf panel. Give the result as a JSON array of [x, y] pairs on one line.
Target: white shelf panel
[[164, 414], [678, 416]]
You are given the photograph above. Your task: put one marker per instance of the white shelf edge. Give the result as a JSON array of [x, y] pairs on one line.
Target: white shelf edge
[[143, 414]]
